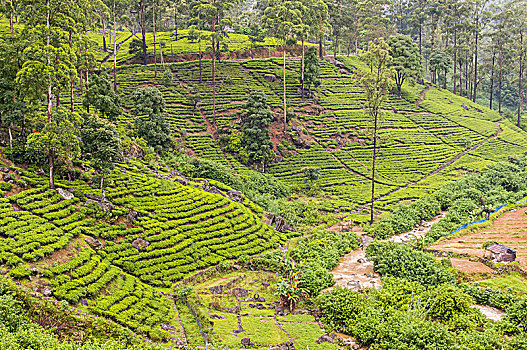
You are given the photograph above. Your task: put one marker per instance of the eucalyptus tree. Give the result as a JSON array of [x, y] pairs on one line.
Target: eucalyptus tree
[[376, 81], [283, 18], [439, 65]]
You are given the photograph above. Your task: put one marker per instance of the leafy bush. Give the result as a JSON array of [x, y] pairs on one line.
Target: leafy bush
[[20, 272], [397, 260], [340, 307]]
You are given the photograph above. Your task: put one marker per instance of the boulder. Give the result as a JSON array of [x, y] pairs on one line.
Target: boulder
[[65, 193], [4, 272], [47, 291], [216, 290], [281, 225], [246, 342], [354, 285], [325, 338], [4, 169], [217, 317], [94, 243], [140, 244], [132, 215], [236, 196], [7, 177], [182, 181], [271, 78], [240, 292], [34, 270]]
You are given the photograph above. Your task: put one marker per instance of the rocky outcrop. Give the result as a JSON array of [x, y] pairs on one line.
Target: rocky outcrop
[[140, 244]]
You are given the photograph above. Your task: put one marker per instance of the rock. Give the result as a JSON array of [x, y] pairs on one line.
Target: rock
[[354, 285], [325, 338], [240, 292], [217, 317], [4, 169], [261, 299], [237, 267], [343, 71], [84, 302], [40, 172], [246, 342], [252, 306], [362, 260], [370, 275], [182, 181], [204, 183], [93, 197], [281, 225], [18, 172], [233, 310], [167, 327], [34, 270], [236, 196], [464, 107], [216, 290], [7, 177], [140, 243], [271, 78], [132, 215], [94, 243], [47, 291], [65, 193], [4, 272]]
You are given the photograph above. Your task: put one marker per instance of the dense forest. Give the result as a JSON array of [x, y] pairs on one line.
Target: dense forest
[[273, 174]]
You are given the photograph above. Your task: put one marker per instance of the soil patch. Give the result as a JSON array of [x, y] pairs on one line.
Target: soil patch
[[468, 266]]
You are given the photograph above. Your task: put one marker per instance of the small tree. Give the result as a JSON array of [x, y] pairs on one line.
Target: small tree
[[256, 35], [100, 143], [150, 122], [58, 140], [439, 64], [406, 60], [376, 83], [312, 173], [102, 97], [312, 69], [256, 121]]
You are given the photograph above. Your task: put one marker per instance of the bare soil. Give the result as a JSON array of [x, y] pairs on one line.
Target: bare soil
[[470, 267], [510, 229]]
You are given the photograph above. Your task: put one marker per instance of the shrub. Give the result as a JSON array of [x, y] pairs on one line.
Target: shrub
[[20, 272]]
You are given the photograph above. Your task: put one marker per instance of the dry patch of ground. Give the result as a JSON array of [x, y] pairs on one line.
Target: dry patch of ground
[[470, 267], [510, 229]]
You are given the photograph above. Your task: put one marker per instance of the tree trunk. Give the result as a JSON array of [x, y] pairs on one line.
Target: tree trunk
[[175, 21], [374, 158], [214, 70], [520, 80], [285, 103], [500, 79], [475, 68], [104, 48], [143, 29], [455, 57], [320, 54], [492, 79], [51, 175], [154, 33], [114, 51], [48, 63], [102, 185], [303, 68]]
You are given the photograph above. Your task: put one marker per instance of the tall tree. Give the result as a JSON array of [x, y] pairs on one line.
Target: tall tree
[[255, 126], [282, 17], [101, 96], [406, 60], [376, 82]]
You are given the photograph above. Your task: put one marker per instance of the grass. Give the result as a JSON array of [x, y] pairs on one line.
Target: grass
[[513, 280]]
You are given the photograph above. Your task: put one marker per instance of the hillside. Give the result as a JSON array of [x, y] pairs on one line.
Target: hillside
[[429, 137]]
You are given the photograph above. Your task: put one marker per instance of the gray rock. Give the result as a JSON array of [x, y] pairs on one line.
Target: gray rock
[[133, 215], [7, 177], [246, 342], [47, 291], [240, 292], [65, 194], [140, 244], [354, 285], [271, 78], [325, 338], [4, 169], [34, 270], [216, 290]]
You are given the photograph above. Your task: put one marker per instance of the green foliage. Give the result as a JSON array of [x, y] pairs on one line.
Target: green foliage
[[340, 308], [150, 122], [20, 272], [101, 96], [312, 69], [392, 259], [406, 61], [255, 126]]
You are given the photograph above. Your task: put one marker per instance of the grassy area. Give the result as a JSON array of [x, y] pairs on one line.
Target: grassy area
[[513, 281]]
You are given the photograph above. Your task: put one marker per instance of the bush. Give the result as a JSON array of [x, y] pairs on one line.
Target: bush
[[397, 260], [339, 308], [20, 272]]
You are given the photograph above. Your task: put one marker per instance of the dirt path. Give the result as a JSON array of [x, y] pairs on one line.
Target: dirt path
[[490, 313], [355, 271]]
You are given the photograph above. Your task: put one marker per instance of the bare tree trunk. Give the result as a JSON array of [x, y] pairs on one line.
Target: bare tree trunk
[[475, 68], [303, 67], [455, 57], [214, 70], [175, 21], [199, 49], [373, 167], [520, 80], [154, 33], [114, 50], [285, 103], [51, 174], [500, 79], [143, 29], [48, 63], [104, 48]]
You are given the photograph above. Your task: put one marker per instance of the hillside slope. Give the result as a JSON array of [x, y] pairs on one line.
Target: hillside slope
[[155, 231], [428, 137]]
